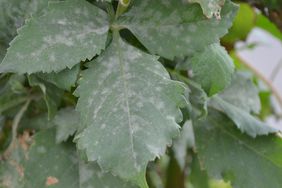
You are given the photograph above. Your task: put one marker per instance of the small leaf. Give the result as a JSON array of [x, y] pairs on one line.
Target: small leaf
[[67, 121], [211, 68], [210, 7], [226, 152], [52, 94], [64, 79], [184, 142], [242, 93], [242, 119], [69, 32], [174, 28], [129, 107]]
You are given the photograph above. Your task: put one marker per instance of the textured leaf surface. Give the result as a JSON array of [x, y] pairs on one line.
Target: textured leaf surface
[[242, 119], [64, 79], [67, 121], [242, 93], [69, 32], [92, 176], [175, 28], [57, 164], [12, 16], [210, 7], [11, 170], [227, 152], [129, 108], [212, 68]]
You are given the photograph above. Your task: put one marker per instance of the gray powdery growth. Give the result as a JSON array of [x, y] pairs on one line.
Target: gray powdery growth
[[58, 39], [129, 108]]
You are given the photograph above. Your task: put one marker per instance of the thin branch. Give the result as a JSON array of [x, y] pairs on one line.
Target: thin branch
[[269, 84], [15, 125]]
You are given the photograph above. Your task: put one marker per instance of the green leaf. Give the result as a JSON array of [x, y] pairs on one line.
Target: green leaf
[[60, 167], [184, 142], [12, 16], [242, 93], [243, 120], [243, 23], [212, 68], [91, 175], [67, 121], [11, 169], [50, 164], [12, 93], [52, 94], [174, 28], [210, 7], [129, 108], [64, 79], [69, 32], [264, 23], [227, 153]]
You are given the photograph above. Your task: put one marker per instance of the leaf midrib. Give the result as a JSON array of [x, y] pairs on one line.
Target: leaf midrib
[[125, 88]]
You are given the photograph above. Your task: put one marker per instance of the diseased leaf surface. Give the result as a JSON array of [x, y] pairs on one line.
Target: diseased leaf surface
[[227, 153], [210, 7], [57, 164], [129, 108], [174, 28], [69, 32]]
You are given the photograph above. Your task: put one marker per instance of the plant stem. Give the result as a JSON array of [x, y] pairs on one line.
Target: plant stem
[[15, 125], [122, 7], [272, 88]]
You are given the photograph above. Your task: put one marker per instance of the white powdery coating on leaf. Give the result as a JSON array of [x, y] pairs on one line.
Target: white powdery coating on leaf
[[132, 111]]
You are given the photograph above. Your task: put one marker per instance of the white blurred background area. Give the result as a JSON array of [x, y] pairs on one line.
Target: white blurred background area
[[266, 59]]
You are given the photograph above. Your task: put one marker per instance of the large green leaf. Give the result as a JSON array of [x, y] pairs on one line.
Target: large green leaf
[[175, 28], [211, 68], [210, 7], [50, 164], [12, 16], [129, 108], [69, 32], [58, 165], [227, 153]]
